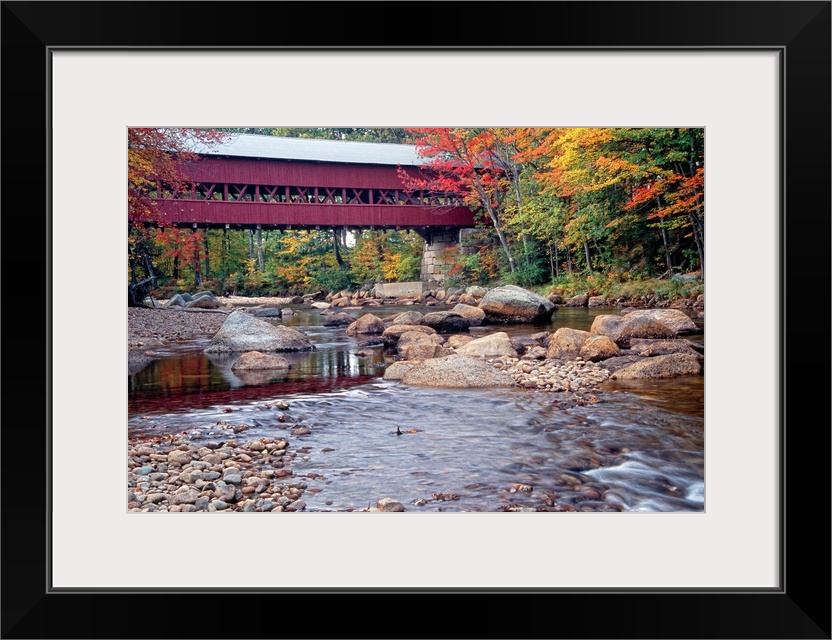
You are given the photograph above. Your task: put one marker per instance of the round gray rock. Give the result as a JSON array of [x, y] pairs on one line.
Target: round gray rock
[[243, 332], [514, 304], [456, 371]]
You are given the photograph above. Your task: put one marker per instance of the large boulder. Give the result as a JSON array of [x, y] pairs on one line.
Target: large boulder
[[266, 312], [476, 291], [204, 301], [397, 370], [622, 328], [417, 345], [651, 348], [342, 319], [243, 332], [490, 346], [599, 348], [445, 321], [677, 321], [619, 362], [368, 323], [408, 317], [581, 300], [669, 366], [458, 339], [461, 372], [512, 304], [566, 343], [474, 315], [390, 336], [256, 361]]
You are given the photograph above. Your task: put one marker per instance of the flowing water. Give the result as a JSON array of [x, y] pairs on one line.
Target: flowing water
[[640, 449]]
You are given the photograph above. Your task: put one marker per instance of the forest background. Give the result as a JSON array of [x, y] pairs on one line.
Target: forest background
[[608, 211]]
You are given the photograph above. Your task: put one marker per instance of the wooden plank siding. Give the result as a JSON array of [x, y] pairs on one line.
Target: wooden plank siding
[[282, 215], [321, 174], [250, 192]]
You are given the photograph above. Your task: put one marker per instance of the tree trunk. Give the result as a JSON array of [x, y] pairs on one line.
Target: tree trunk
[[225, 252], [551, 263], [557, 261], [260, 250], [250, 244], [176, 267], [523, 235], [503, 243], [600, 253], [667, 255], [482, 193], [699, 248], [668, 258], [207, 256], [197, 272], [586, 252], [336, 245]]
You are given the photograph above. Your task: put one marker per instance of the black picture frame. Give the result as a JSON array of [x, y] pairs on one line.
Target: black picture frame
[[800, 608]]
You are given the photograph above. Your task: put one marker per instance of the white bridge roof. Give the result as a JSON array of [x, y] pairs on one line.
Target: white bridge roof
[[246, 145]]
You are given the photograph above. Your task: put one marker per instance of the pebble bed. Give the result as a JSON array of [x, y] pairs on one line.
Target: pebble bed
[[179, 476], [554, 375], [149, 327]]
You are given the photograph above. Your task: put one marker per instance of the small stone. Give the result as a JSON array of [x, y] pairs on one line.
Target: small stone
[[389, 505], [179, 457]]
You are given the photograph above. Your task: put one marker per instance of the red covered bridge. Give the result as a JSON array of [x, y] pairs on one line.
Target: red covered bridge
[[253, 181]]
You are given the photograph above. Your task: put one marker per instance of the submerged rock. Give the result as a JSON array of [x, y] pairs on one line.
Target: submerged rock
[[255, 360]]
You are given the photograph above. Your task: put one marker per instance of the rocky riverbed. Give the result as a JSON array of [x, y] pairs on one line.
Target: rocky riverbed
[[216, 468]]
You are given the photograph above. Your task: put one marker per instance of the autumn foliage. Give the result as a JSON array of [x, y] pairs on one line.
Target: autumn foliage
[[155, 159]]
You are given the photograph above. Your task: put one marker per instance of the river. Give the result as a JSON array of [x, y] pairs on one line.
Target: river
[[640, 449]]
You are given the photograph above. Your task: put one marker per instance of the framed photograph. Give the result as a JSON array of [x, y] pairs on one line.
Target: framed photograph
[[754, 76]]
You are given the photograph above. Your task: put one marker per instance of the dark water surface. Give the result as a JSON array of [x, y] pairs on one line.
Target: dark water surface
[[640, 449]]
